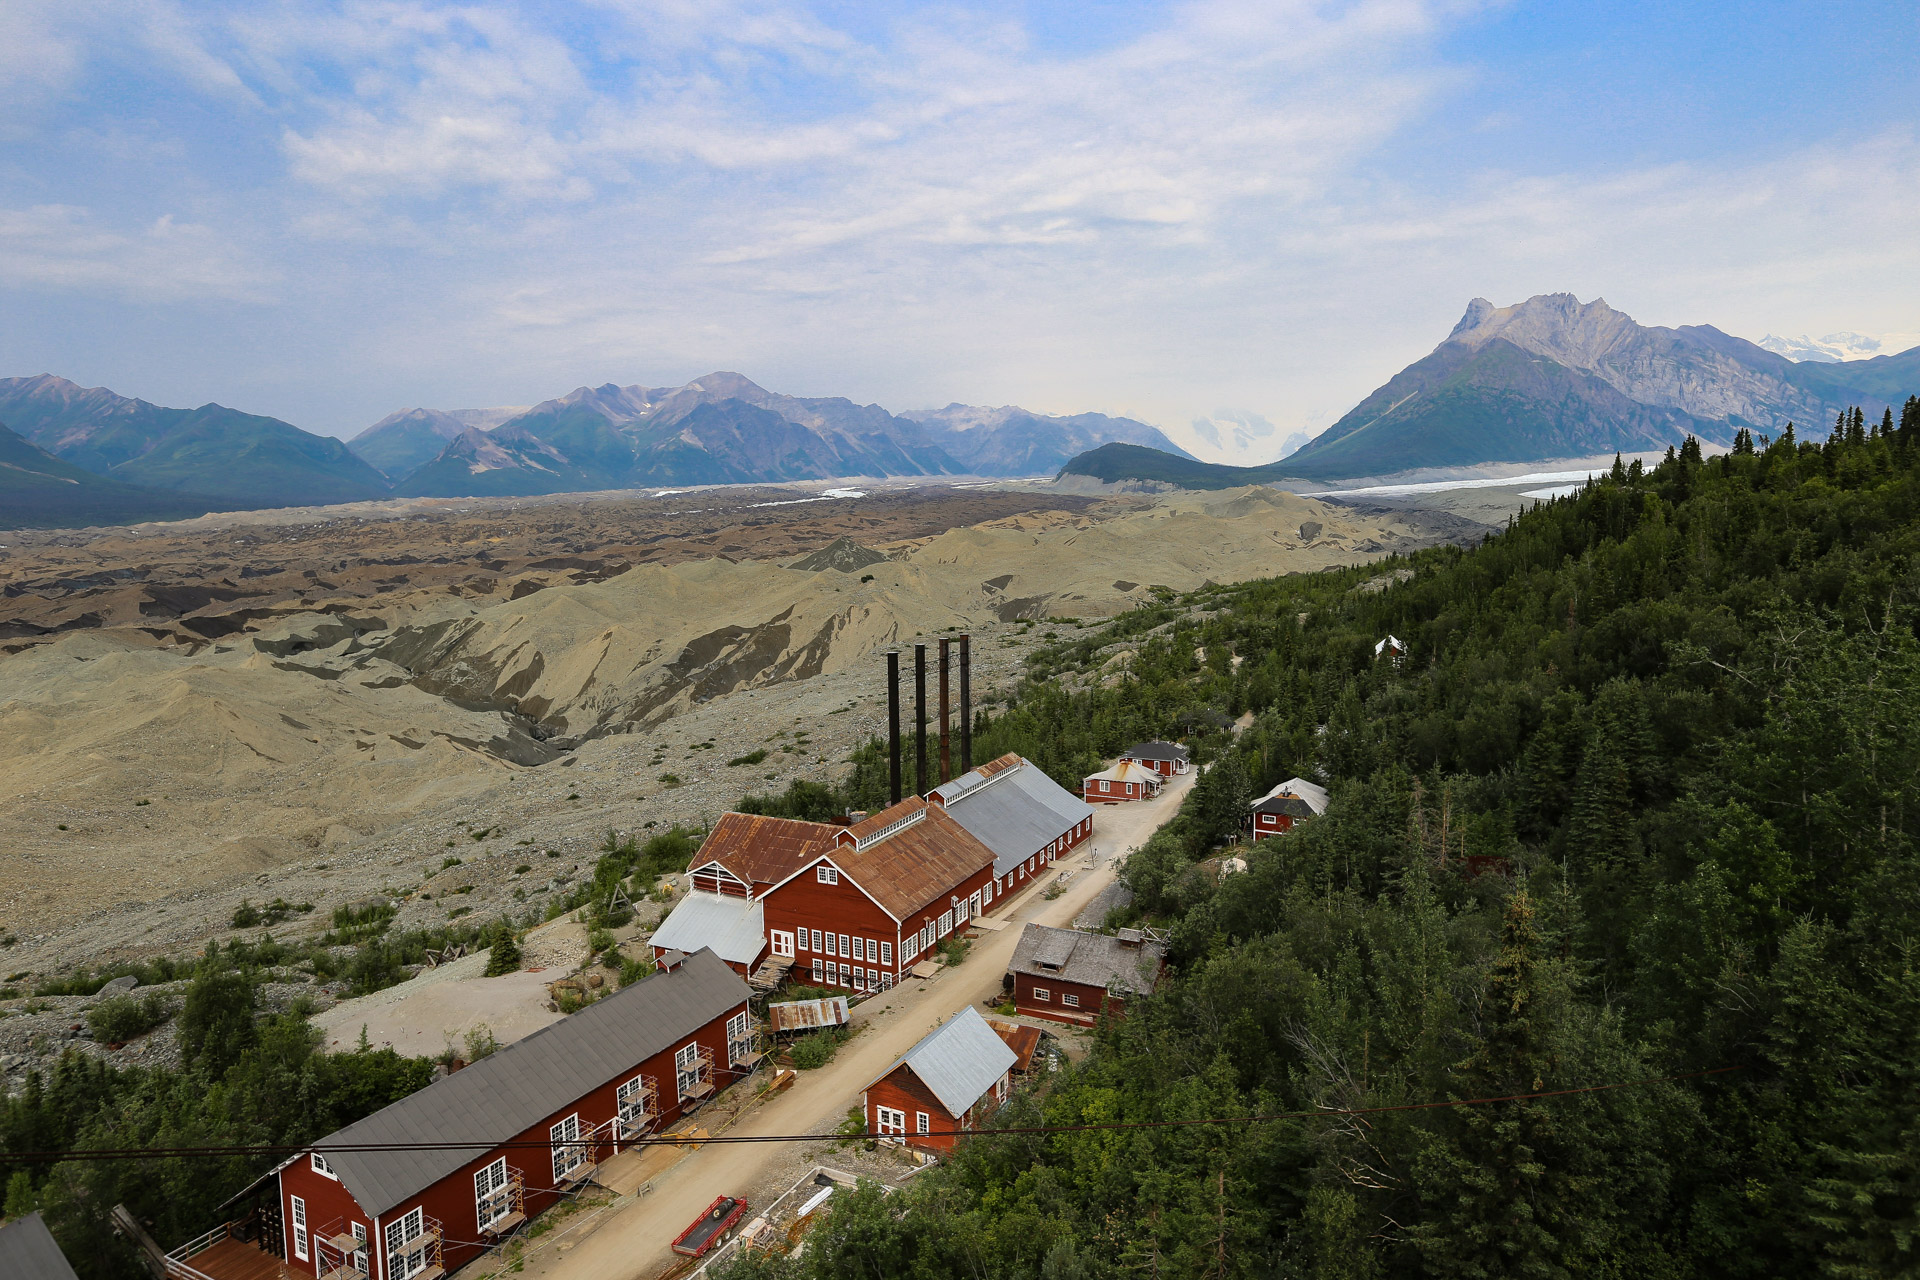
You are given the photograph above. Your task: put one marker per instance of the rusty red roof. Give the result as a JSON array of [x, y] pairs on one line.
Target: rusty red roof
[[764, 851]]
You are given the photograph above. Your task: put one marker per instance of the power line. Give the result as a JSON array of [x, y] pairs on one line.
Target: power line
[[666, 1140]]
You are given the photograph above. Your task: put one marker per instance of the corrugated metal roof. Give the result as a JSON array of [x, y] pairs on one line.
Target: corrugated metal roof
[[761, 850], [733, 927], [959, 1060], [1127, 771], [1157, 751], [28, 1251], [914, 867], [804, 1015], [522, 1084], [1089, 958], [1016, 812]]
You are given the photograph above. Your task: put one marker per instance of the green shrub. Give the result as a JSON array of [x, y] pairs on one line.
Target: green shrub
[[811, 1052], [124, 1017], [503, 954], [752, 757], [246, 915]]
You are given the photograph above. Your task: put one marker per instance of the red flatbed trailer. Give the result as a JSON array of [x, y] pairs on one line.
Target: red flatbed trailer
[[710, 1227]]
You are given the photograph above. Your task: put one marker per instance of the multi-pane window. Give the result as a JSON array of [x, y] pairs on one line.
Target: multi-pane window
[[946, 923], [826, 875], [567, 1155], [846, 975], [360, 1247], [299, 1209], [886, 953], [630, 1101], [1040, 993], [859, 948], [888, 1120], [686, 1068], [489, 1193], [738, 1040], [816, 968], [921, 1124], [1069, 999], [844, 940], [403, 1262], [833, 947], [873, 979], [321, 1166]]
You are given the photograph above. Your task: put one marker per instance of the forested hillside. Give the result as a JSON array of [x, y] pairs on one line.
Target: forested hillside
[[1641, 803]]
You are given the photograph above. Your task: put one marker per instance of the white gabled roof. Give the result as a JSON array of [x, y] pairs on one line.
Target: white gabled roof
[[1312, 793], [1126, 771], [734, 927], [1392, 640], [959, 1060]]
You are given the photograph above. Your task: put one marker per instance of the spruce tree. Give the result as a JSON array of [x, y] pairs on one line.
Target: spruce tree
[[503, 956]]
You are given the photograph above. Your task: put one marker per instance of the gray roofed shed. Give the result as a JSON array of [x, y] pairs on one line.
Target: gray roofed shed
[[959, 1060], [28, 1251], [1123, 965], [1156, 751], [517, 1087]]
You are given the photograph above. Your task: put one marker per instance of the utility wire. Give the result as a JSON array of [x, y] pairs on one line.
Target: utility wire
[[668, 1140]]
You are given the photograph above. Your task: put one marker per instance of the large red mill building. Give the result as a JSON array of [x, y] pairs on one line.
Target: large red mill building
[[535, 1117]]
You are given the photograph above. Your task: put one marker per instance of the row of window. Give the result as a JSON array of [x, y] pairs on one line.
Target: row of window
[[1067, 998], [890, 1120], [842, 975], [491, 1203], [833, 944]]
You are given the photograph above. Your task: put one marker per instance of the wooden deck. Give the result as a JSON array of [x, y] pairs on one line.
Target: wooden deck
[[238, 1260]]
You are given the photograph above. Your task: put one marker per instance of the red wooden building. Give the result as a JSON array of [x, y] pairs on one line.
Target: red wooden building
[[1069, 976], [950, 1081], [1164, 758], [1020, 813], [1128, 780], [531, 1120], [850, 906], [1281, 809]]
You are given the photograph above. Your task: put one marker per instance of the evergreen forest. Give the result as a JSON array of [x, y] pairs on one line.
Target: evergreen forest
[[1636, 815]]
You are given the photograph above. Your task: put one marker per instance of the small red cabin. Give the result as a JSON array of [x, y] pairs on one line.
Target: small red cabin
[[1164, 758], [1068, 976], [944, 1085], [1127, 780], [1281, 809]]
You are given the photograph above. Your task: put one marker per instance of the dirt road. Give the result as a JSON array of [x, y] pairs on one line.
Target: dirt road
[[629, 1242]]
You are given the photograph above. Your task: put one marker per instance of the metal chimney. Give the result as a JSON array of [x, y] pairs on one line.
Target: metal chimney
[[893, 726], [966, 709], [920, 718], [946, 713]]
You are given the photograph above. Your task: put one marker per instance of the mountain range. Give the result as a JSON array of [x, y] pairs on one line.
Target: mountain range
[[724, 429], [88, 455], [1555, 378]]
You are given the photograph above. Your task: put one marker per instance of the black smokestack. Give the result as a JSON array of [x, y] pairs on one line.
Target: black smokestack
[[893, 726], [966, 708], [920, 717], [946, 713]]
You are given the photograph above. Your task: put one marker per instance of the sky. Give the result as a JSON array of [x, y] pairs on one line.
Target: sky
[[1232, 220]]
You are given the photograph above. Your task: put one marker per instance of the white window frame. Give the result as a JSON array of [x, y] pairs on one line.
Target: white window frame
[[567, 1155], [886, 953], [986, 891], [845, 953], [1069, 999], [359, 1230], [739, 1027], [817, 963], [973, 905], [320, 1166], [816, 940], [488, 1182], [401, 1232], [833, 945], [873, 979], [826, 875], [686, 1068], [1105, 785], [623, 1109], [1041, 994], [946, 924], [859, 948], [889, 1120], [921, 1124], [297, 1219], [783, 942], [846, 975]]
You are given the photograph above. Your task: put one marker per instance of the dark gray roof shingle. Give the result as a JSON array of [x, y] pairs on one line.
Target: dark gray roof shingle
[[28, 1251], [504, 1094], [1090, 958]]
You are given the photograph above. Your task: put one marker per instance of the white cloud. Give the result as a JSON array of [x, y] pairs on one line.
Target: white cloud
[[64, 249]]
